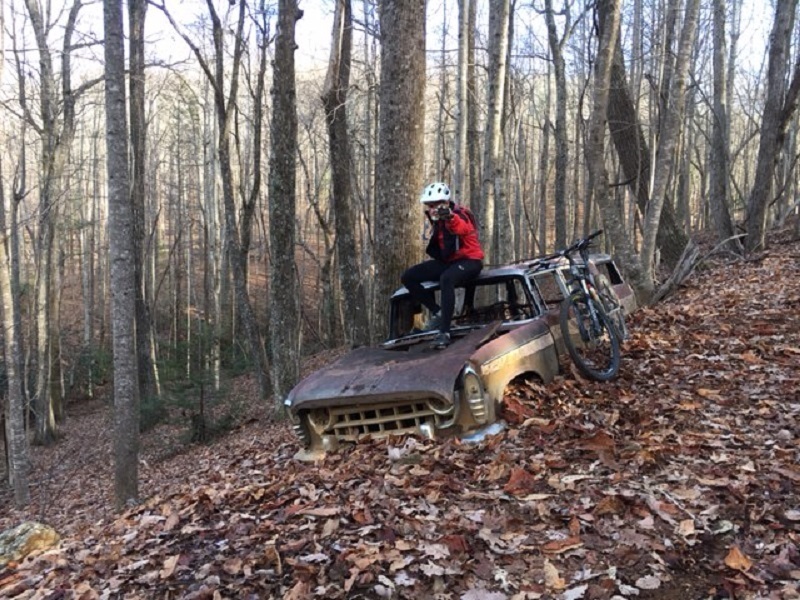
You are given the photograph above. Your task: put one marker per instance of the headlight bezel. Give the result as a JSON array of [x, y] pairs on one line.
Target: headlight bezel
[[473, 393]]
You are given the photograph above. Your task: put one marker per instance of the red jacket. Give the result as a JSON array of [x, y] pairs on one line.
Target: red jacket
[[455, 239]]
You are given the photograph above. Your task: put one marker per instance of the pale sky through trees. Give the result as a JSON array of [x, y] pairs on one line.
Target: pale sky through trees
[[314, 29]]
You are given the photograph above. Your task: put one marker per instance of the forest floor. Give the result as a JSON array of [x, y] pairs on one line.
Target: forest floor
[[678, 480]]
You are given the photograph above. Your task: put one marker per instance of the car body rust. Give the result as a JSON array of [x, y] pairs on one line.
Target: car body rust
[[505, 326]]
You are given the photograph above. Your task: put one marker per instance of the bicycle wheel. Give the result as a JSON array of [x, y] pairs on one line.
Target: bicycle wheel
[[592, 345], [612, 306]]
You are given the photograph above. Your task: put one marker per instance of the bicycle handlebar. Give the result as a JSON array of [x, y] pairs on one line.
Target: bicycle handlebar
[[579, 246]]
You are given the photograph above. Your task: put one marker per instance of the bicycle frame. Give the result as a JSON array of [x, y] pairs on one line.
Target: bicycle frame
[[581, 279]]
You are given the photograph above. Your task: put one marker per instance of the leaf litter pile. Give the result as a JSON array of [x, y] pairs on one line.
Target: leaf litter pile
[[677, 480]]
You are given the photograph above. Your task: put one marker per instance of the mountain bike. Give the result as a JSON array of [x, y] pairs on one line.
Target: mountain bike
[[591, 318]]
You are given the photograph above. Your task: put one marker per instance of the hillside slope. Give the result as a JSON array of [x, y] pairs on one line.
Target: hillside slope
[[677, 480]]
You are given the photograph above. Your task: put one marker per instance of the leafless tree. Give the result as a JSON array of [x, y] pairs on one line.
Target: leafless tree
[[780, 105], [334, 99], [121, 251], [224, 110], [148, 381], [399, 167], [665, 155], [55, 127], [17, 442], [562, 150], [719, 196], [495, 222], [283, 323]]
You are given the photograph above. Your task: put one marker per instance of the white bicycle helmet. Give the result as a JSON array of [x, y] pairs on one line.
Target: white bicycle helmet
[[435, 192]]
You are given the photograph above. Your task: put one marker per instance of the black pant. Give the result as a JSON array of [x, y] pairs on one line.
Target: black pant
[[449, 275]]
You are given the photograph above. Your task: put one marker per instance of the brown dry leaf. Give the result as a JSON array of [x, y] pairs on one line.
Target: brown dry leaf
[[599, 442], [609, 505], [456, 543], [169, 566], [172, 521], [273, 557], [514, 412], [686, 527], [327, 511], [519, 482], [331, 525], [737, 560], [710, 394], [751, 358], [560, 546], [232, 566], [552, 578], [574, 526], [497, 471], [300, 591]]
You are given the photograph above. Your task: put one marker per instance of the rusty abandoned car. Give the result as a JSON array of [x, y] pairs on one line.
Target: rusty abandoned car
[[506, 325]]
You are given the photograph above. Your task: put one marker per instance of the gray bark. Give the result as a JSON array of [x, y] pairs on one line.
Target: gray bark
[[495, 224], [334, 99], [460, 179], [780, 105], [17, 446], [121, 253], [250, 199], [284, 310], [473, 134], [56, 130], [634, 152], [719, 196], [562, 150], [401, 147], [137, 10], [665, 156], [544, 167], [595, 146], [17, 443]]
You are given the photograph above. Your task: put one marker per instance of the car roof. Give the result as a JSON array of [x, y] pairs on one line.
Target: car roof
[[521, 268]]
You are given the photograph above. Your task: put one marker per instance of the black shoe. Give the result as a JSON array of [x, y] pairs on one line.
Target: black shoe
[[441, 341], [434, 322]]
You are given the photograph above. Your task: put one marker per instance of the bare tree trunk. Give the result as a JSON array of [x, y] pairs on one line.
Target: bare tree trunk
[[57, 129], [334, 99], [719, 195], [123, 286], [87, 240], [17, 441], [665, 155], [595, 146], [460, 180], [780, 105], [214, 238], [137, 9], [442, 169], [401, 146], [284, 327], [474, 169], [634, 153], [493, 198], [250, 200], [562, 149], [544, 167]]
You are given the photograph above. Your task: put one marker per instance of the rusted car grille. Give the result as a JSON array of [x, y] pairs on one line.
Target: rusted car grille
[[350, 422]]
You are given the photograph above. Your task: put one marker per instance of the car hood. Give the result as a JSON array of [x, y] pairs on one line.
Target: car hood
[[376, 374]]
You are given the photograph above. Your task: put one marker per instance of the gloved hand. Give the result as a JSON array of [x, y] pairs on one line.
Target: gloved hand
[[444, 212]]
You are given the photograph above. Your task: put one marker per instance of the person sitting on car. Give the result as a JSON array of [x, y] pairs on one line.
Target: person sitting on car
[[456, 257]]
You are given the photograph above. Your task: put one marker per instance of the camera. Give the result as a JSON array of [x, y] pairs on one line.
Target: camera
[[444, 212]]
